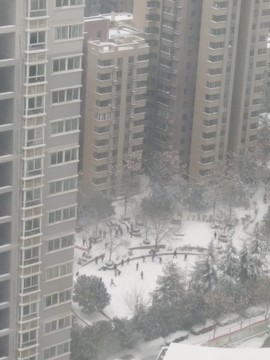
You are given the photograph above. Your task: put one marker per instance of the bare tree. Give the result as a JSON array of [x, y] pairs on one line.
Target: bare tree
[[134, 299]]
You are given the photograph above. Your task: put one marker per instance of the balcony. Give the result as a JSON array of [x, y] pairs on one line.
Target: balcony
[[4, 293]]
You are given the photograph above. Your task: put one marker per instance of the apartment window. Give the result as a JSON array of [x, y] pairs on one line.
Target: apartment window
[[137, 148], [38, 8], [102, 129], [219, 18], [57, 325], [209, 123], [67, 64], [105, 63], [66, 95], [29, 338], [34, 137], [64, 214], [213, 84], [100, 181], [35, 73], [220, 4], [215, 58], [217, 32], [212, 72], [101, 155], [103, 103], [104, 76], [29, 310], [64, 156], [33, 167], [208, 147], [63, 186], [138, 135], [31, 198], [68, 32], [207, 160], [35, 105], [101, 168], [37, 40], [30, 256], [60, 243], [102, 142], [211, 135], [212, 97], [211, 110], [66, 3], [56, 351], [261, 63], [103, 116], [64, 126], [143, 57], [30, 283], [58, 298], [59, 271], [216, 45], [104, 90], [32, 227]]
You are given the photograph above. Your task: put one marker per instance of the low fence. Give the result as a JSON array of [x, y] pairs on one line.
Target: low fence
[[227, 340]]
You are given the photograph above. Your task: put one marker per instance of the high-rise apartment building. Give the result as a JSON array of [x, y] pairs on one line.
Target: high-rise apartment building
[[172, 32], [115, 82], [267, 80], [206, 74], [92, 8], [107, 6], [41, 45], [230, 80]]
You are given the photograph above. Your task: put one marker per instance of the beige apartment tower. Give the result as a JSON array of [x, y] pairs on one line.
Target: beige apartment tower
[[115, 83], [41, 43], [207, 67], [172, 29], [230, 80]]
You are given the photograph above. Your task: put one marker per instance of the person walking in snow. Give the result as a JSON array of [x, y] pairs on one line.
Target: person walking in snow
[[112, 283], [160, 260], [215, 234], [175, 254], [143, 258], [122, 262], [142, 275], [185, 257], [137, 266], [128, 259]]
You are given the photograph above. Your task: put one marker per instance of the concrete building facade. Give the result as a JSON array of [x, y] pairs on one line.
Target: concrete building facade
[[206, 75], [172, 31], [115, 82], [230, 81], [41, 43]]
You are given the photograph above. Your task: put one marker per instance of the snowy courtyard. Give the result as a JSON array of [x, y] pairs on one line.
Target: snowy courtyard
[[134, 276]]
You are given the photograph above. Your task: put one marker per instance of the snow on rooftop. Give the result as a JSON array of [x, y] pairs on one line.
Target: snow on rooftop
[[123, 16], [180, 351]]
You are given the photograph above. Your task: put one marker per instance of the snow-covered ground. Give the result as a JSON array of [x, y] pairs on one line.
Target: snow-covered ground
[[130, 285]]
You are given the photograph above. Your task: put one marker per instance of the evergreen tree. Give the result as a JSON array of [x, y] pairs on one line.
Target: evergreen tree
[[265, 228], [205, 276], [230, 264], [91, 294], [256, 255], [192, 309], [170, 286], [244, 264]]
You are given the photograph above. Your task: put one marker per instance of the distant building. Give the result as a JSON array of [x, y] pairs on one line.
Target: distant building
[[207, 67], [267, 80], [115, 83], [92, 8]]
